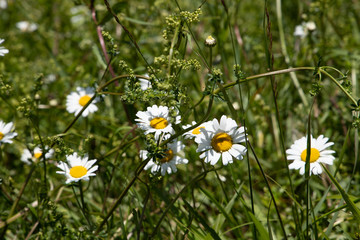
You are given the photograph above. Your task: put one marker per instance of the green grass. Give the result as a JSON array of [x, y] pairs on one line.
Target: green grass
[[279, 86]]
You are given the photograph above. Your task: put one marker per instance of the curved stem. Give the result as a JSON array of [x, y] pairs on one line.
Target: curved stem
[[339, 85], [272, 73], [289, 70]]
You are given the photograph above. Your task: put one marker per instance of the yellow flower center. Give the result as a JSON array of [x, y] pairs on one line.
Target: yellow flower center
[[78, 171], [1, 135], [169, 154], [314, 155], [159, 123], [221, 142], [84, 100], [197, 130], [37, 155]]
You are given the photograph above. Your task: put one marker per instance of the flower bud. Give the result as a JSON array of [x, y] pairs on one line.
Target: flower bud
[[210, 41]]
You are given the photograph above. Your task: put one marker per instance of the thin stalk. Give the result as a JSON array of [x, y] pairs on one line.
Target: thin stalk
[[194, 180], [80, 205], [171, 51], [247, 157], [196, 42], [339, 85], [307, 170], [131, 37], [84, 208], [13, 207], [285, 53], [269, 188], [122, 195], [272, 73]]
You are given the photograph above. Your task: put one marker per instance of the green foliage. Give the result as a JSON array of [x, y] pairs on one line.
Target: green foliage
[[201, 59]]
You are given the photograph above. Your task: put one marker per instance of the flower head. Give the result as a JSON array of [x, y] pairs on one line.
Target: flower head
[[3, 50], [210, 41], [155, 120], [5, 132], [300, 31], [75, 101], [27, 157], [318, 154], [194, 133], [221, 139], [168, 162], [77, 168]]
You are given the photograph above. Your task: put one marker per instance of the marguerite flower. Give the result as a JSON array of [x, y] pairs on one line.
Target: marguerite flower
[[27, 157], [196, 131], [5, 132], [318, 154], [166, 164], [77, 100], [77, 168], [221, 140], [155, 120], [3, 50]]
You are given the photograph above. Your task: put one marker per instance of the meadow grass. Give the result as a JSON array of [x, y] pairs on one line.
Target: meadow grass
[[126, 82]]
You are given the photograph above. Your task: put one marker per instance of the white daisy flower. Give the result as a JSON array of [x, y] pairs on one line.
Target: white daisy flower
[[221, 140], [3, 50], [168, 163], [75, 101], [5, 132], [194, 133], [144, 83], [318, 154], [26, 26], [155, 120], [28, 158], [78, 168]]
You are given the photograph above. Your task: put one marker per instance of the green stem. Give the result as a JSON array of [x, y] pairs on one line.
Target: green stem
[[269, 188], [122, 195], [272, 73], [171, 51], [15, 204], [339, 85]]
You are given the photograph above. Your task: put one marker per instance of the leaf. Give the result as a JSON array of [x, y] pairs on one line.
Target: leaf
[[221, 218], [259, 227], [202, 221], [351, 205]]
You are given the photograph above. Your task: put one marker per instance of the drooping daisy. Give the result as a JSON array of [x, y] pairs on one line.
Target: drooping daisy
[[166, 164], [221, 140], [3, 50], [194, 133], [77, 168], [28, 158], [144, 83], [318, 154], [5, 132], [75, 101], [155, 120]]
